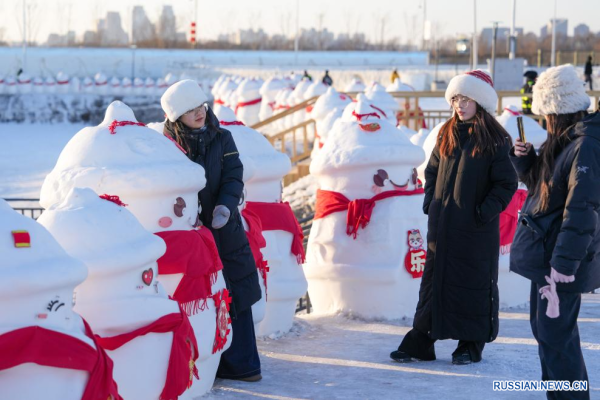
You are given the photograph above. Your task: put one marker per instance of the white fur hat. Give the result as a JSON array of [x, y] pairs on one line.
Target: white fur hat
[[182, 97], [476, 85], [559, 91]]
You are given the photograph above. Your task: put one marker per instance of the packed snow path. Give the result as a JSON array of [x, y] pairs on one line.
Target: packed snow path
[[344, 358]]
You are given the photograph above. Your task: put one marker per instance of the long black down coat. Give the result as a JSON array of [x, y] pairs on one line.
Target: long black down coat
[[214, 149], [567, 235], [464, 196]]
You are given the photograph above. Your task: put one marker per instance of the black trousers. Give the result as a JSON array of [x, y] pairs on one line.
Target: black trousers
[[419, 345], [558, 342], [241, 359]]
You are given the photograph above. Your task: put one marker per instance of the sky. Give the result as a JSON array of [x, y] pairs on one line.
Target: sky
[[401, 18]]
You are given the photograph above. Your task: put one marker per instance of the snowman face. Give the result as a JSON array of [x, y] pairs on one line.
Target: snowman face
[[383, 181], [179, 212], [55, 311]]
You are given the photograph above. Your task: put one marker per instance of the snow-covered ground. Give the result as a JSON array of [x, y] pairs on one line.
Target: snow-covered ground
[[28, 153], [338, 357]]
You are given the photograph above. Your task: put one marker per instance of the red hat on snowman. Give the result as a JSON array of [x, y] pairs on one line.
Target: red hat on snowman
[[476, 85]]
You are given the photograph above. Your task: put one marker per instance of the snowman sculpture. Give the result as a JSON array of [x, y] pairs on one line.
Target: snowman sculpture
[[366, 251], [355, 85], [248, 101], [146, 334], [48, 351], [285, 282], [151, 174], [384, 101], [269, 91], [324, 105]]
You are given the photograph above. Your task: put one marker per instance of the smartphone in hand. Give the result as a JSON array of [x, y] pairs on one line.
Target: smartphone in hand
[[521, 130]]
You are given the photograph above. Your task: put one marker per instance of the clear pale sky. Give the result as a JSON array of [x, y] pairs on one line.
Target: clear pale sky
[[403, 18]]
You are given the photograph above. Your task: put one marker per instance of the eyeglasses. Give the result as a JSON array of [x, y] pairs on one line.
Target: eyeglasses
[[460, 101], [196, 110]]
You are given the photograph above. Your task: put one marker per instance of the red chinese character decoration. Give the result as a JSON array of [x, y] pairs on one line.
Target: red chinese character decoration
[[414, 262], [222, 302]]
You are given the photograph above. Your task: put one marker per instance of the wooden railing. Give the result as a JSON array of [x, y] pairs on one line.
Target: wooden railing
[[279, 141]]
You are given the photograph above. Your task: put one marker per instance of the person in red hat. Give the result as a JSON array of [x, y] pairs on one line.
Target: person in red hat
[[469, 182]]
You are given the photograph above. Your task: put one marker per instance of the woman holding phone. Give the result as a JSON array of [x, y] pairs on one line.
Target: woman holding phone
[[557, 241], [469, 182]]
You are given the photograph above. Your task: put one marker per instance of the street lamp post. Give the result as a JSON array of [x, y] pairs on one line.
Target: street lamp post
[[553, 55], [475, 61]]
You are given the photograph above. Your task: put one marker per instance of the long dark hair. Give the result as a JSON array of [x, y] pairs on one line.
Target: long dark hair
[[539, 177], [177, 130], [487, 134]]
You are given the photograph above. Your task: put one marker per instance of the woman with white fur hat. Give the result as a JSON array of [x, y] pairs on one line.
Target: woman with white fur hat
[[469, 182], [194, 126], [557, 241]]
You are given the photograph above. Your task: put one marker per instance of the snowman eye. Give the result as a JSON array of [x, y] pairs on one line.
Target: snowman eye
[[179, 206]]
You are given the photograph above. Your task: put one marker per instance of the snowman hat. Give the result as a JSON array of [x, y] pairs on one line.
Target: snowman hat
[[476, 85], [559, 90], [182, 97]]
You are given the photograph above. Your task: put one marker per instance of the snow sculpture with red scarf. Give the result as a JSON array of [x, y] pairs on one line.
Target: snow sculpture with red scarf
[[364, 255]]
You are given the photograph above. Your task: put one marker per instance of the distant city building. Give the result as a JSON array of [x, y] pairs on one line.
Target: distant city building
[[90, 38], [581, 30], [561, 28], [166, 27], [143, 29], [487, 34], [56, 40], [111, 32]]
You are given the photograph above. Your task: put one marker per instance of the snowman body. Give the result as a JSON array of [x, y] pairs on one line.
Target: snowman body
[[248, 101], [368, 275], [269, 91], [37, 284], [135, 298]]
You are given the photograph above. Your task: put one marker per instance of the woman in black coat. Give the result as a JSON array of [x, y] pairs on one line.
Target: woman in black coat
[[193, 125], [557, 242], [469, 182]]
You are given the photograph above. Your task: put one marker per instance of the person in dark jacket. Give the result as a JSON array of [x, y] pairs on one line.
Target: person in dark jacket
[[530, 77], [469, 182], [193, 125], [306, 76], [587, 72], [327, 79], [557, 241]]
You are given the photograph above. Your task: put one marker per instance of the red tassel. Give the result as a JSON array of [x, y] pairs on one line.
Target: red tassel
[[114, 199]]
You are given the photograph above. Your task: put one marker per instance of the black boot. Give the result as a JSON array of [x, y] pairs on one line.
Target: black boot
[[402, 357], [463, 358]]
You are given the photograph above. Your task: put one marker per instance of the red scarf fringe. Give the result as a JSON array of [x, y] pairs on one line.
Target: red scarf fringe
[[194, 254]]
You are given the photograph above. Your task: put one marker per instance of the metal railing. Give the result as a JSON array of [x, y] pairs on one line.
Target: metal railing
[[30, 210]]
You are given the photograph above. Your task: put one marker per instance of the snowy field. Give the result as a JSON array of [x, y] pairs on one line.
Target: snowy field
[[335, 357]]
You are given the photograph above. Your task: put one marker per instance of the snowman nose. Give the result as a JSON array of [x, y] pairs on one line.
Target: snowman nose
[[165, 222]]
